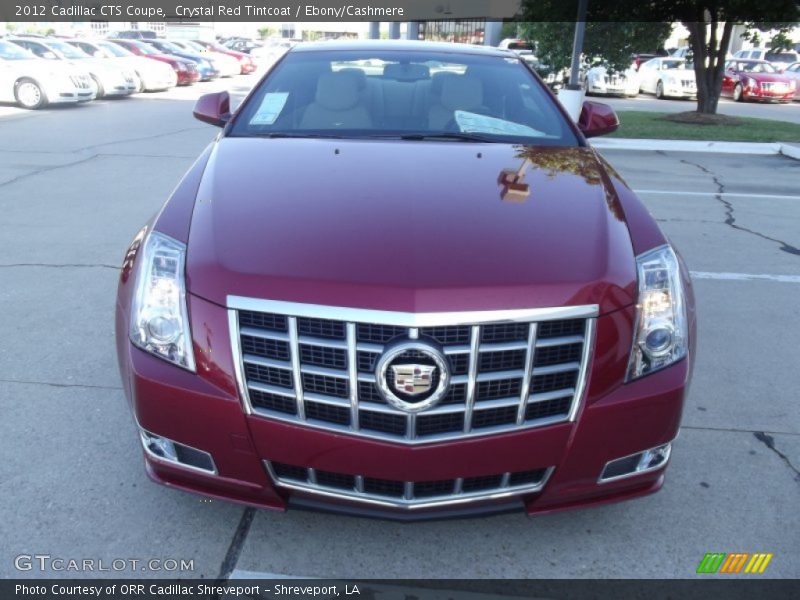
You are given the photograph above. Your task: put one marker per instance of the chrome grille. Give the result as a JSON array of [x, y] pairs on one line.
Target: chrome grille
[[314, 365], [774, 86], [407, 494], [80, 81]]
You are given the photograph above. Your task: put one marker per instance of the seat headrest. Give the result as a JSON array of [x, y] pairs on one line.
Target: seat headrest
[[462, 93], [337, 91], [437, 80], [358, 74], [406, 71]]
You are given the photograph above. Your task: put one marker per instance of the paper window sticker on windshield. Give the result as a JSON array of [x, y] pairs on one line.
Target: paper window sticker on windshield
[[270, 108], [469, 122]]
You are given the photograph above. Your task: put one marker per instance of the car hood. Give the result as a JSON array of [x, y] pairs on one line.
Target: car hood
[[39, 67], [408, 226], [766, 77], [680, 73]]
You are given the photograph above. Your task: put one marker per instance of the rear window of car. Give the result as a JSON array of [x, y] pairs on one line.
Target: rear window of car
[[357, 94]]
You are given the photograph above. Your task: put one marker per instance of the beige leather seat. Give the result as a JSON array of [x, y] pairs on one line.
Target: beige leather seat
[[461, 92], [338, 104]]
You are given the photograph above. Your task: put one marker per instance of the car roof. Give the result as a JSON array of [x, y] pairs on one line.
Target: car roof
[[402, 46]]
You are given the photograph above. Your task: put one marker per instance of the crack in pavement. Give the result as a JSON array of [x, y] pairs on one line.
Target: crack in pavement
[[769, 442], [62, 385], [730, 218], [60, 266], [237, 543], [141, 139], [735, 430], [47, 169]]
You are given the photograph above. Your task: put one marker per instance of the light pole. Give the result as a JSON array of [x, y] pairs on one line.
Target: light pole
[[572, 95]]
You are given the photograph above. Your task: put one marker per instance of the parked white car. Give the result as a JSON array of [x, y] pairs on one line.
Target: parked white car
[[599, 81], [793, 73], [110, 80], [272, 50], [667, 77], [34, 83], [151, 75]]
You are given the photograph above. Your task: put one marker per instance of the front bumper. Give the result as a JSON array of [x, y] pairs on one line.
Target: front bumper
[[69, 94], [758, 94], [203, 411]]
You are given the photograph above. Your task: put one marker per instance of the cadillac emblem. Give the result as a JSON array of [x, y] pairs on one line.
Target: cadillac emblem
[[413, 379], [412, 375]]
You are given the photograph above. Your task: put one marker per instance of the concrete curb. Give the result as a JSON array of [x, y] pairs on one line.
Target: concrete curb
[[696, 146]]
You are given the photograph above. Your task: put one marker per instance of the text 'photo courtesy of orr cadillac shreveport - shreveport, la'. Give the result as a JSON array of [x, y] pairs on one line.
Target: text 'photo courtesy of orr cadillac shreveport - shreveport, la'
[[459, 308]]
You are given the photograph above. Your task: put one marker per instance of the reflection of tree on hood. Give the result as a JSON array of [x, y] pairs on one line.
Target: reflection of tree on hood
[[554, 161]]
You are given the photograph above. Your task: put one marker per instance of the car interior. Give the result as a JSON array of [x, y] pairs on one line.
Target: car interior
[[370, 96]]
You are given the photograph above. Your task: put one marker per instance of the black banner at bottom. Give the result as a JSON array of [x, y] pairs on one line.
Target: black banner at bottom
[[399, 589]]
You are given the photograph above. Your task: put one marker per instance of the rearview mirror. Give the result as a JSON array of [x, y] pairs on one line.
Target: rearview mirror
[[597, 119], [214, 109]]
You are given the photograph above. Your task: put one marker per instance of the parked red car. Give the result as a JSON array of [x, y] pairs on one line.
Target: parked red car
[[186, 70], [246, 61], [401, 283], [756, 80]]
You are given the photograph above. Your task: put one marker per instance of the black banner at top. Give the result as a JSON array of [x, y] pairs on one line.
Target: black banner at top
[[763, 11], [256, 10]]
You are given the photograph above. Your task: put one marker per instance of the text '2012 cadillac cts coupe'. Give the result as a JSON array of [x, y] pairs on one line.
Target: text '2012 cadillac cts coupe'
[[400, 283]]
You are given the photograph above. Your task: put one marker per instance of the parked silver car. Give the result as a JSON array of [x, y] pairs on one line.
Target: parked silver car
[[34, 83], [151, 75], [110, 80]]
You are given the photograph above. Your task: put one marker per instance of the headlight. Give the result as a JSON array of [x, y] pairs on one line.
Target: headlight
[[159, 319], [751, 82], [660, 337]]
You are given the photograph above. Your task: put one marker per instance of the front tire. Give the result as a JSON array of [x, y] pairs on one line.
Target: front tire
[[738, 93], [29, 94], [660, 90]]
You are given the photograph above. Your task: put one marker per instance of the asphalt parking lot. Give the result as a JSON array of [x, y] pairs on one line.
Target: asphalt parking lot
[[76, 184]]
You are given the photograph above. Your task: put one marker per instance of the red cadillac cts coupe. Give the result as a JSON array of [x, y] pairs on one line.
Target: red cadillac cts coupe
[[400, 283], [756, 80]]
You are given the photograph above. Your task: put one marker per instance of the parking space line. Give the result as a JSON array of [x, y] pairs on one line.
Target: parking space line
[[745, 277], [727, 194]]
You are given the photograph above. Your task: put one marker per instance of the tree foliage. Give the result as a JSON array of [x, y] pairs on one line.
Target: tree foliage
[[612, 43], [710, 24]]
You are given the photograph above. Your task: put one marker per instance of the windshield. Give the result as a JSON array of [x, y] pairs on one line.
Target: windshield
[[756, 67], [144, 48], [363, 94], [170, 47], [67, 50], [13, 52], [113, 49], [673, 64], [194, 46]]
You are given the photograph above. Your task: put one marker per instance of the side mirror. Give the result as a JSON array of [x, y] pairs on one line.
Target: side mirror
[[49, 55], [214, 109], [597, 119]]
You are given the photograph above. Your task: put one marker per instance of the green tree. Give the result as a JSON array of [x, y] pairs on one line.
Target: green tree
[[266, 32], [612, 43], [710, 24]]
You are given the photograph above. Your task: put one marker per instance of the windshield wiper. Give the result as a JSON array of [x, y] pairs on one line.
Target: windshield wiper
[[455, 136], [294, 134]]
